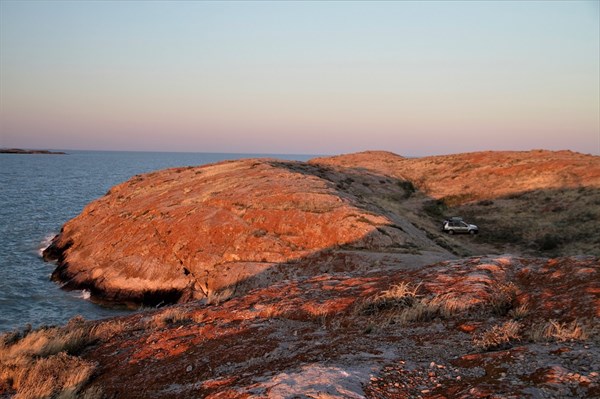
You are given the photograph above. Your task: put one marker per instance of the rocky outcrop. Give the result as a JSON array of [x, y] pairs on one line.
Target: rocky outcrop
[[318, 337], [477, 327], [212, 231], [193, 233]]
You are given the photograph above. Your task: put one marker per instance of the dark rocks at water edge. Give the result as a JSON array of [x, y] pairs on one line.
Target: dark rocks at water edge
[[22, 151]]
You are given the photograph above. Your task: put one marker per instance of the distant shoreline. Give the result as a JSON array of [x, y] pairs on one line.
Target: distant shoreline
[[21, 151]]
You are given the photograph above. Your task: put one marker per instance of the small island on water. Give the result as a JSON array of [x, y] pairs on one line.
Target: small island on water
[[23, 151]]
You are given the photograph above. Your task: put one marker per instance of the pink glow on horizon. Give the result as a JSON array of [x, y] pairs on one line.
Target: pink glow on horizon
[[300, 77]]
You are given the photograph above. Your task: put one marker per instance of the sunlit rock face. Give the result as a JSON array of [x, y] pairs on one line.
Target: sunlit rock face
[[182, 234], [186, 233]]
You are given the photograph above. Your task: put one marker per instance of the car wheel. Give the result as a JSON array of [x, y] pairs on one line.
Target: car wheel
[[450, 231], [472, 232]]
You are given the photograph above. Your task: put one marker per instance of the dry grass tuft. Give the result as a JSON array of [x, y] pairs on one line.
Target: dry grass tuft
[[450, 304], [399, 296], [169, 316], [42, 363], [503, 298], [59, 375], [219, 296], [401, 304], [47, 342], [556, 331], [422, 310], [520, 312], [108, 329], [498, 336]]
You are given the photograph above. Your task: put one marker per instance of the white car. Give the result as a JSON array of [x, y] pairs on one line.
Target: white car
[[457, 225]]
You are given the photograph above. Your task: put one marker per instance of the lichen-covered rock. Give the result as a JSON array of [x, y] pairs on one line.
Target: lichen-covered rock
[[307, 337], [187, 233]]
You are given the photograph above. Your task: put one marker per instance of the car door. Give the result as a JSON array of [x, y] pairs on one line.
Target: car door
[[463, 227]]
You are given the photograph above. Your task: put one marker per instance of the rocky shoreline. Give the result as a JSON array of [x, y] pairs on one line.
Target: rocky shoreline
[[329, 279]]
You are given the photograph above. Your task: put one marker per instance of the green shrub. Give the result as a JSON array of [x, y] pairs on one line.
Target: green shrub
[[459, 199], [408, 187], [548, 242], [435, 208], [504, 234]]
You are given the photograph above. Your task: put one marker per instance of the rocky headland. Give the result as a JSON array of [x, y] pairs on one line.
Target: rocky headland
[[331, 279], [193, 233]]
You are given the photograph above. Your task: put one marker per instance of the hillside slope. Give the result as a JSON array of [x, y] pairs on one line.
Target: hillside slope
[[532, 202], [480, 175]]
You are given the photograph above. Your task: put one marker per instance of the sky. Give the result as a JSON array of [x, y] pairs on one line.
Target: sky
[[415, 78]]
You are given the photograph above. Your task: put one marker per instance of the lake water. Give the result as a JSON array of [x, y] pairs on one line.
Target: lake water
[[38, 194]]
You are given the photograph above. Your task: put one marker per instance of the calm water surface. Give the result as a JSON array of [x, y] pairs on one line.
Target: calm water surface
[[38, 194]]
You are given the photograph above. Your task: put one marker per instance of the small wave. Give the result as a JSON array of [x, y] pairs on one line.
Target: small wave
[[84, 294], [45, 244]]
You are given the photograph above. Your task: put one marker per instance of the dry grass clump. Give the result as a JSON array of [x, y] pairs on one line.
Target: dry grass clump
[[108, 329], [59, 375], [219, 296], [503, 298], [401, 304], [279, 311], [428, 308], [498, 336], [450, 304], [171, 315], [420, 311], [557, 331], [520, 312], [42, 363], [46, 342], [399, 296]]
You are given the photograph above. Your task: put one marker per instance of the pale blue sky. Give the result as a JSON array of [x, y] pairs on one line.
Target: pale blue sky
[[416, 78]]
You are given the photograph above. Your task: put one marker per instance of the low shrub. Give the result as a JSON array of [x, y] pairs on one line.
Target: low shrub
[[520, 312], [459, 199], [503, 234], [435, 208], [408, 187], [548, 242]]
